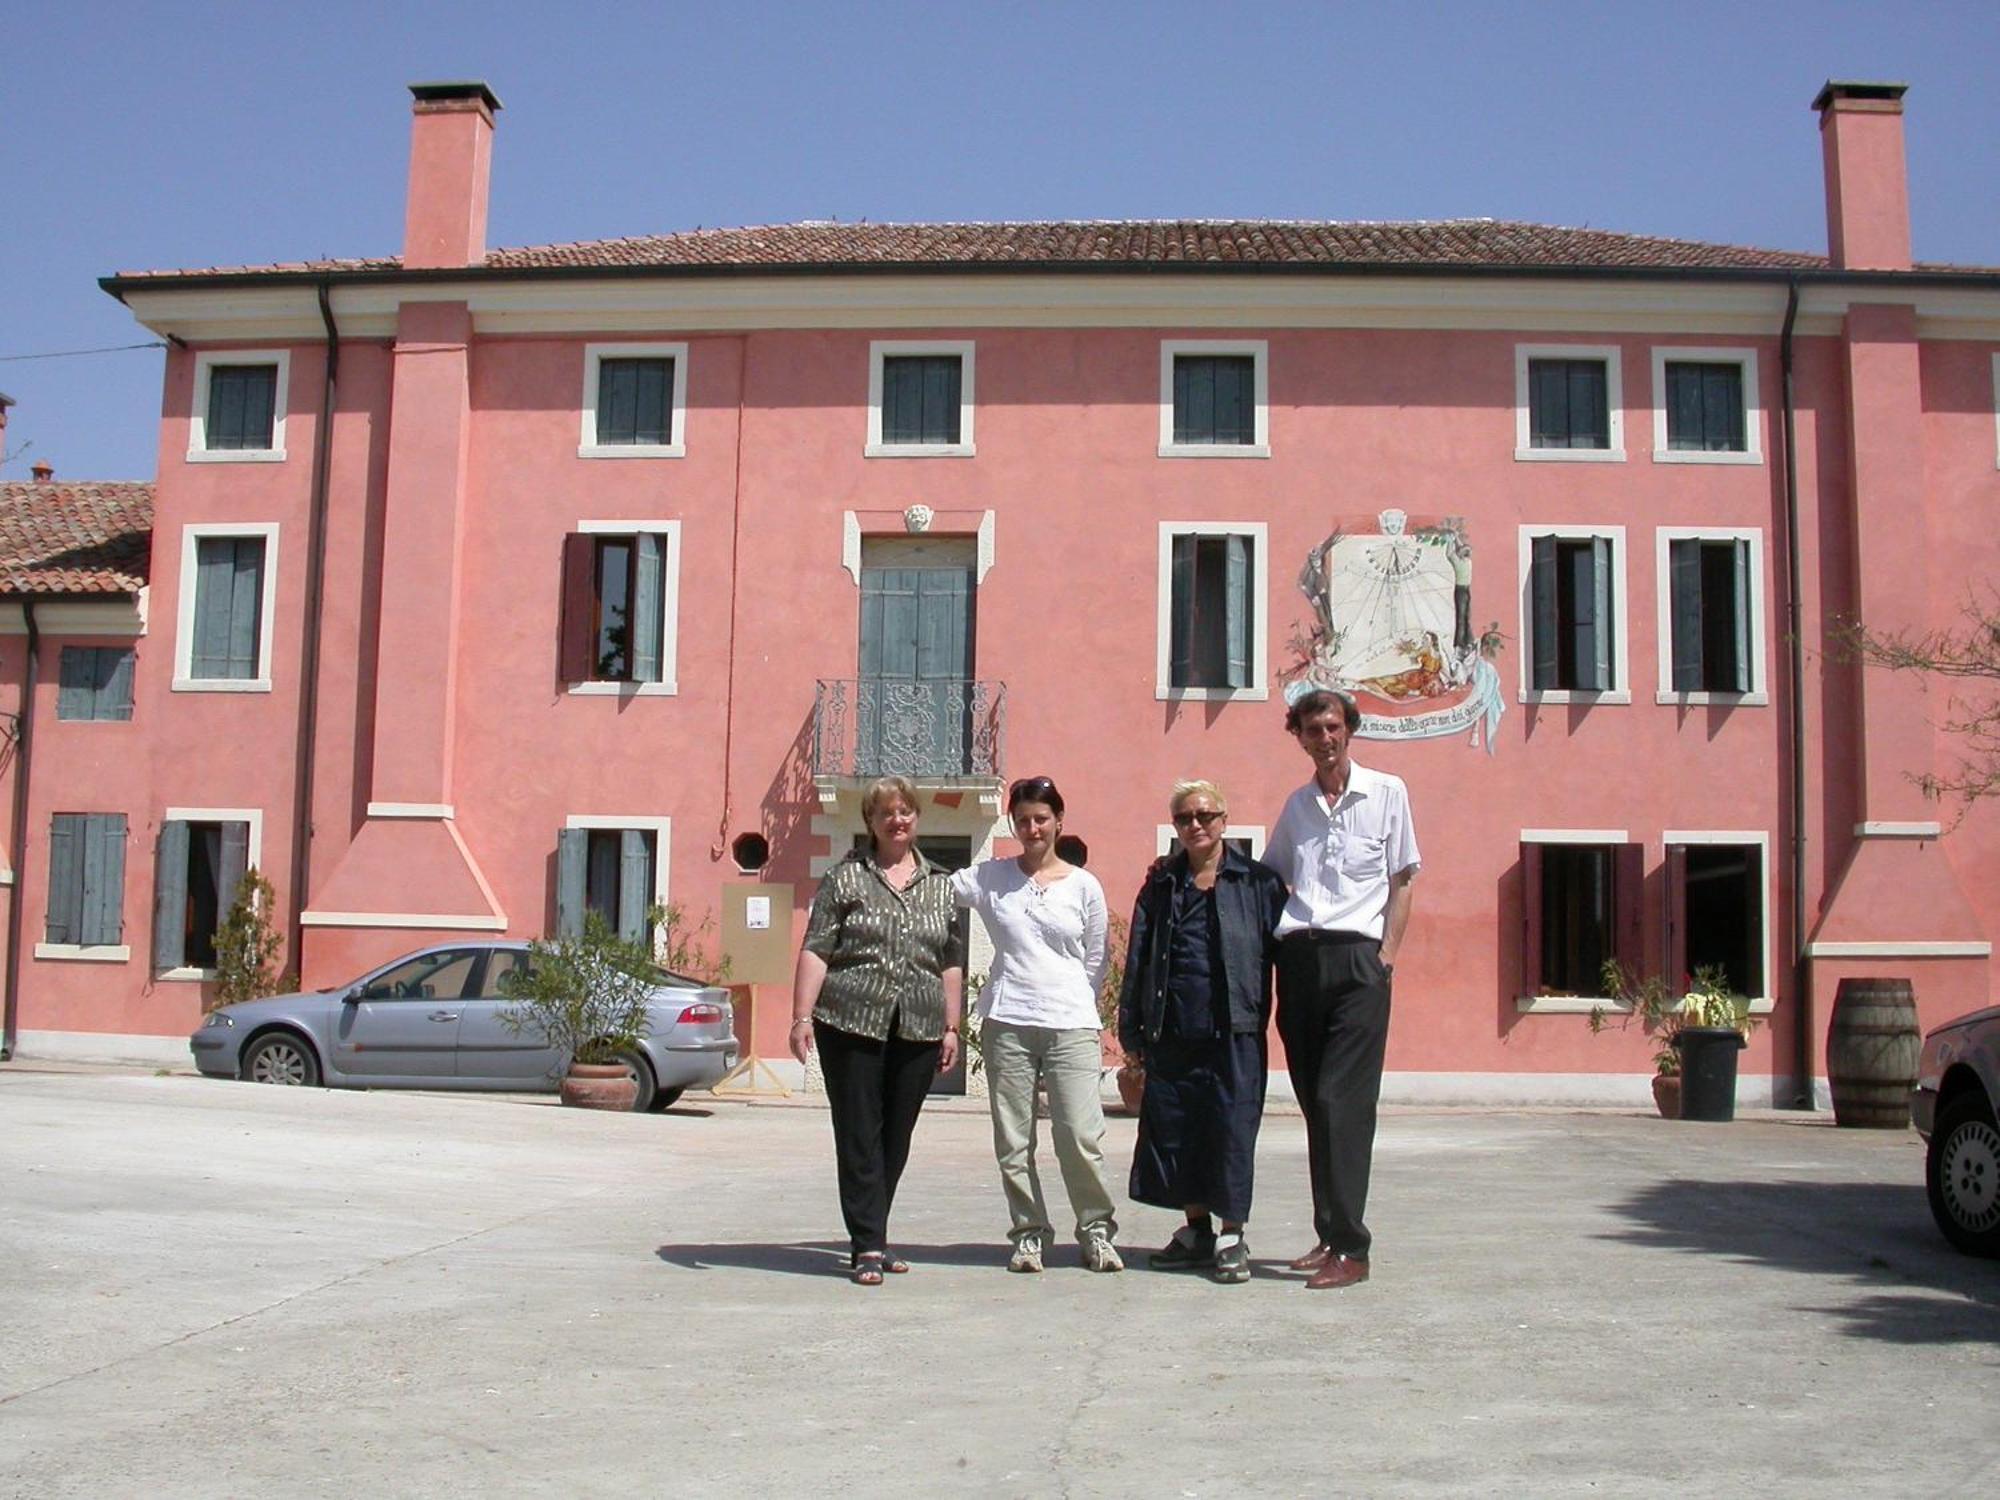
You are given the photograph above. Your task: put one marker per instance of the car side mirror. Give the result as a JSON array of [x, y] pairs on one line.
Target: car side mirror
[[352, 997]]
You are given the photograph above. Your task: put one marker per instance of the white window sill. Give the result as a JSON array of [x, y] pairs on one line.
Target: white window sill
[[1583, 1005], [1697, 700], [1569, 455], [1164, 693], [623, 689], [1215, 450], [236, 455], [1576, 695], [1696, 456], [917, 450], [631, 450], [202, 976], [96, 953], [222, 684]]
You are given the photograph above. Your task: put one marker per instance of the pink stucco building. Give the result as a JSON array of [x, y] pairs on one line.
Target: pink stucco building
[[486, 584]]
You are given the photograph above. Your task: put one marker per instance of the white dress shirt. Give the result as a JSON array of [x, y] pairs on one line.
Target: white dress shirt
[[1339, 857], [1048, 944]]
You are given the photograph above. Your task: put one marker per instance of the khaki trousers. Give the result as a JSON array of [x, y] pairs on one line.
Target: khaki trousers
[[1070, 1062]]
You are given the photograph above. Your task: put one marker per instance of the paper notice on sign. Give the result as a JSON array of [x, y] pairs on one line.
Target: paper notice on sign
[[757, 913]]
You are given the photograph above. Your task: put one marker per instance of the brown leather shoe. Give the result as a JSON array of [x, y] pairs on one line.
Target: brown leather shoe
[[1339, 1271], [1313, 1259]]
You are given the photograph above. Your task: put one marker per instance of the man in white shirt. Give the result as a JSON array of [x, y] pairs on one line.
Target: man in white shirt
[[1345, 845]]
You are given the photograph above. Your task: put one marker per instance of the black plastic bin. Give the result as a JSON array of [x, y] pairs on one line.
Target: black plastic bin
[[1708, 1071]]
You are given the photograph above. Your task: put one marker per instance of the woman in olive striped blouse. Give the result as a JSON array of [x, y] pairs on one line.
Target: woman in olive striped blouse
[[879, 990]]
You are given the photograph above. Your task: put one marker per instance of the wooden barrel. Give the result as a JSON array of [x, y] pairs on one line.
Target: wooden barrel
[[1871, 1053]]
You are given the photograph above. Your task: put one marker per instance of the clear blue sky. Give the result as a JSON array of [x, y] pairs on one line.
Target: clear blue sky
[[139, 135]]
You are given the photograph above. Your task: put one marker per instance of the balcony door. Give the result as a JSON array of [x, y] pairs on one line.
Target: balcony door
[[915, 700]]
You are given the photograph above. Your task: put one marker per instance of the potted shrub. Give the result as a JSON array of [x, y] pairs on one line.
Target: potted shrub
[[1710, 1020], [1130, 1075], [585, 996]]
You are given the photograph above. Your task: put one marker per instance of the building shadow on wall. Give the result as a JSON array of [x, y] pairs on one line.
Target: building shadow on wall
[[1875, 1239], [787, 808]]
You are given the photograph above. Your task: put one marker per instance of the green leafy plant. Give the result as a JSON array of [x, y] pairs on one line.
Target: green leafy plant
[[247, 945], [968, 1027], [1665, 1014], [688, 948], [585, 995], [1117, 933]]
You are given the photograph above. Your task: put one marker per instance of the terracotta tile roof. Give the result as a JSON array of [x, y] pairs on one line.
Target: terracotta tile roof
[[88, 537]]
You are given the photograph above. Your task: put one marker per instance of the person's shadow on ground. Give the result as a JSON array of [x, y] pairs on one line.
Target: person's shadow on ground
[[829, 1258]]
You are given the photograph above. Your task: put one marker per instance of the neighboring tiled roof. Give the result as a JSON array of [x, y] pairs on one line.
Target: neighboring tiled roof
[[74, 538]]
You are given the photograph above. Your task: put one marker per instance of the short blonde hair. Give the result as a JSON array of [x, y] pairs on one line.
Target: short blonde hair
[[1197, 788], [886, 786]]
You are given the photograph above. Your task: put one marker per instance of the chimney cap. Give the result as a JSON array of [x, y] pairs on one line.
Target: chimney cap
[[5, 401], [43, 472], [1854, 88], [470, 89]]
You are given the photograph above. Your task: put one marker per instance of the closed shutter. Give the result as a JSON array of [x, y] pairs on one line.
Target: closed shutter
[[634, 402], [1194, 400], [1628, 885], [578, 624], [241, 403], [942, 375], [1741, 602], [1543, 614], [921, 398], [170, 897], [214, 589], [1722, 403], [77, 696], [572, 868], [1181, 612], [648, 606], [1676, 908], [114, 684], [1684, 588], [245, 606], [1237, 551], [231, 866], [635, 884], [1531, 919], [1594, 644], [104, 878], [65, 914]]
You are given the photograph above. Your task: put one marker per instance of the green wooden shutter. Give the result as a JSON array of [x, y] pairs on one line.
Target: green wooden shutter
[[1740, 550], [1548, 410], [648, 606], [654, 402], [241, 406], [232, 866], [942, 380], [1194, 400], [1604, 621], [65, 914], [214, 588], [1235, 399], [1684, 590], [576, 641], [114, 683], [617, 401], [1237, 592], [572, 860], [1543, 614], [170, 897], [104, 878], [1589, 417], [635, 884], [1180, 612], [77, 696]]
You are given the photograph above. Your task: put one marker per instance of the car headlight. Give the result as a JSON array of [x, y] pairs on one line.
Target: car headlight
[[217, 1018]]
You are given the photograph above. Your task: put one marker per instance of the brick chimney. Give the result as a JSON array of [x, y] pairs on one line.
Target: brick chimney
[[451, 157], [1867, 177], [43, 472]]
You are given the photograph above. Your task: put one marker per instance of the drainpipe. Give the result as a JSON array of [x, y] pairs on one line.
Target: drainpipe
[[1801, 970], [18, 855], [309, 647]]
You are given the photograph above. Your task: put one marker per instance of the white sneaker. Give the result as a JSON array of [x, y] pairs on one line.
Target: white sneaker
[[1098, 1254], [1027, 1254]]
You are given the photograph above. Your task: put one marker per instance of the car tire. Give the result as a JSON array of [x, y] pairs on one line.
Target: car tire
[[641, 1073], [1962, 1175], [281, 1057], [665, 1099]]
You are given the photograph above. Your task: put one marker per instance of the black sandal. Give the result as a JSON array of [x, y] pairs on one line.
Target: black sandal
[[867, 1269], [893, 1263]]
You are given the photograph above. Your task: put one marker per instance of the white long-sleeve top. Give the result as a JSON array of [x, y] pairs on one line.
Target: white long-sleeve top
[[1048, 944]]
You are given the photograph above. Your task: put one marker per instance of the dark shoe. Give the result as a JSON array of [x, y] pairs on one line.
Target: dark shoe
[[1188, 1249], [1313, 1259], [867, 1269], [1339, 1271], [893, 1263], [1232, 1261]]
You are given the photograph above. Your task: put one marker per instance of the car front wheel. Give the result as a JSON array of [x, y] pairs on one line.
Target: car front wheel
[[281, 1058], [1962, 1173]]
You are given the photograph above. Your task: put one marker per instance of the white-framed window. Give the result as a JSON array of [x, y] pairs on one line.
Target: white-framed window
[[634, 401], [1213, 599], [614, 864], [1581, 899], [202, 856], [920, 399], [1246, 839], [227, 605], [238, 412], [85, 917], [1711, 614], [1568, 403], [1215, 398], [620, 624], [1705, 406], [1719, 909], [1573, 615]]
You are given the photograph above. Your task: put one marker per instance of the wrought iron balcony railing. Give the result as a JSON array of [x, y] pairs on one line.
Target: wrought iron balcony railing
[[923, 730]]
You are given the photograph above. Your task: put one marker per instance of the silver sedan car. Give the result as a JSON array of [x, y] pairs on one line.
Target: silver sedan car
[[432, 1020], [1954, 1108]]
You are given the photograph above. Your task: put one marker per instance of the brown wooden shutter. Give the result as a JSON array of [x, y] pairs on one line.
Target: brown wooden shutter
[[1628, 887], [1531, 919], [577, 659]]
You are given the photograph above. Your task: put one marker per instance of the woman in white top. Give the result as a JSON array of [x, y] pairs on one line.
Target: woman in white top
[[1039, 1023]]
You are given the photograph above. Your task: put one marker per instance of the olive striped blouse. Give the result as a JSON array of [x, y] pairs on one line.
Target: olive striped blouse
[[886, 950]]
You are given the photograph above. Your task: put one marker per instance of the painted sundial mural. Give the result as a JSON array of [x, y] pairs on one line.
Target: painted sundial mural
[[1392, 606]]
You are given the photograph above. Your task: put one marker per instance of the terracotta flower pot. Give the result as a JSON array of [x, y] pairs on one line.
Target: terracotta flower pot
[[1131, 1086], [599, 1086], [1667, 1095]]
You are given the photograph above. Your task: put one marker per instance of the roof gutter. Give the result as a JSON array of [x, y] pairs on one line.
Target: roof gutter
[[17, 855], [314, 626], [1795, 634]]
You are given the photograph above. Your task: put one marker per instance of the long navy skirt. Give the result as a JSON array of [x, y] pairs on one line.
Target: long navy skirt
[[1198, 1123]]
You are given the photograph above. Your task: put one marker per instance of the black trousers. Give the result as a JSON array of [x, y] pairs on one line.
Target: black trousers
[[874, 1091], [1333, 1016]]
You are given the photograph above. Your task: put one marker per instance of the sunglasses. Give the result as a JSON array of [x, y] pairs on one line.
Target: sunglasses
[[1031, 784], [1206, 819]]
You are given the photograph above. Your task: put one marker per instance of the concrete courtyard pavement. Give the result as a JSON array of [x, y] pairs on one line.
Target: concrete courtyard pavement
[[214, 1289]]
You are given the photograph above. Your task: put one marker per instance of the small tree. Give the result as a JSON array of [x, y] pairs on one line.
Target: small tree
[[688, 948], [246, 944], [1966, 657], [584, 995]]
